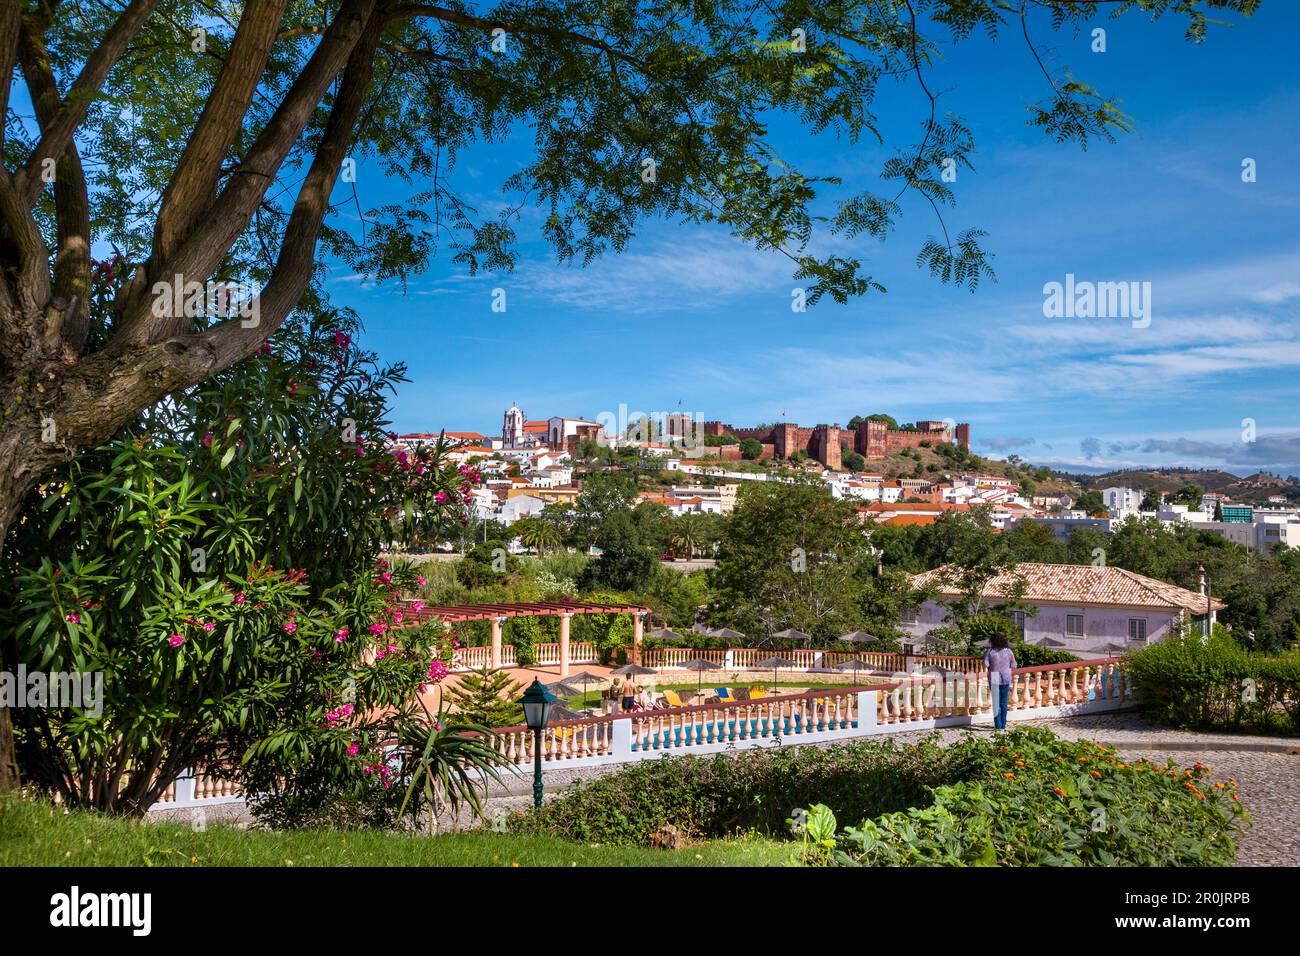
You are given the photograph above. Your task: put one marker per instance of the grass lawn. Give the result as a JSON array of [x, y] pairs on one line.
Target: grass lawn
[[34, 833]]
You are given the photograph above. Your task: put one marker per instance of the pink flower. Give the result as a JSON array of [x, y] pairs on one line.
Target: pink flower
[[239, 598], [397, 617], [353, 750], [418, 606], [386, 577], [440, 497], [290, 627], [378, 628], [176, 640], [342, 339], [207, 440], [209, 627], [340, 635], [73, 618], [421, 581]]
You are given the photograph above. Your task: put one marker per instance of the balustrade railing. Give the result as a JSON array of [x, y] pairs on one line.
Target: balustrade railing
[[928, 696], [475, 658], [830, 713]]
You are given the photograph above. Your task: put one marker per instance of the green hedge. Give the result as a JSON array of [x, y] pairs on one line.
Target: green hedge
[[749, 790], [1024, 797], [1034, 655], [1217, 685], [1038, 800]]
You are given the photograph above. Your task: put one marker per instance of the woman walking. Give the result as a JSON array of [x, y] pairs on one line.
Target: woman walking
[[999, 661]]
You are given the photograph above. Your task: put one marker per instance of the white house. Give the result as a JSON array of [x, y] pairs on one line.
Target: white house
[[1085, 610], [1121, 501], [520, 506]]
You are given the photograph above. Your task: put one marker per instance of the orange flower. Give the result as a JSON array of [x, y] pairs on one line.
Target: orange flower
[[1059, 791], [1009, 776], [1020, 763], [1096, 774]]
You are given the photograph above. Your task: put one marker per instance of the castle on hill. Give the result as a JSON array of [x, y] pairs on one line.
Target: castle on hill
[[872, 439]]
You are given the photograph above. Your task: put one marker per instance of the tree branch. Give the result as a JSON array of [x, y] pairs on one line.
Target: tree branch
[[55, 139], [206, 244], [193, 184], [69, 316], [293, 267]]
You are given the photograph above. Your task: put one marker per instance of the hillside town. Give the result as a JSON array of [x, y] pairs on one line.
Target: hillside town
[[536, 464]]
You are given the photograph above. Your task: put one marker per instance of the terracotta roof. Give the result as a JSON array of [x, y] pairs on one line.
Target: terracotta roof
[[910, 519], [1084, 584], [900, 506], [535, 426]]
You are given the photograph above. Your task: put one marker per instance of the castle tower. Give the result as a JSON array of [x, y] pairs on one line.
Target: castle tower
[[512, 427]]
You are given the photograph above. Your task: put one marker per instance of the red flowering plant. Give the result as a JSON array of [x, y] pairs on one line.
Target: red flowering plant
[[219, 564]]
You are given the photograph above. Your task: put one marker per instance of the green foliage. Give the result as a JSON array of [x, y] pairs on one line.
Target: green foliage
[[1216, 684], [1091, 503], [485, 564], [749, 790], [448, 767], [625, 563], [791, 556], [487, 697], [1035, 655], [1190, 495], [216, 563], [751, 448], [1036, 800], [524, 634]]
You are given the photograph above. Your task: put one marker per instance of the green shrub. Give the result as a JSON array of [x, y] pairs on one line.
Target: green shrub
[[1217, 684], [751, 790], [1037, 800], [523, 633], [1035, 655]]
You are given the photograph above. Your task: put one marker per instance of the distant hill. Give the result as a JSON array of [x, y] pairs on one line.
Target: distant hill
[[1254, 488]]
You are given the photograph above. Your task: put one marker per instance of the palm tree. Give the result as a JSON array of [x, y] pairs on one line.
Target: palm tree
[[537, 534], [686, 536]]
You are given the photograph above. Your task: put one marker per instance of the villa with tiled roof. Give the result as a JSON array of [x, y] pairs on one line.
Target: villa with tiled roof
[[1088, 611]]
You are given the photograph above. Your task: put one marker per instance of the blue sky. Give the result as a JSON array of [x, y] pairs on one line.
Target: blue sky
[[689, 318]]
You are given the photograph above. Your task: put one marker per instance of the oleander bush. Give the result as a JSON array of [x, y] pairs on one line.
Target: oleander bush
[[1189, 682], [1037, 800], [1024, 797], [752, 790]]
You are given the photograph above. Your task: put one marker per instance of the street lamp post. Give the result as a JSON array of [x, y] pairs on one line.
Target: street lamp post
[[537, 701]]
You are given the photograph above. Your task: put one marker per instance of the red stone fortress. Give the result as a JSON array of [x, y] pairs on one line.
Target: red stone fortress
[[872, 439]]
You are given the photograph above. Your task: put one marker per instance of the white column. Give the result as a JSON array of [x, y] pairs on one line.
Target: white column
[[622, 742], [185, 787], [638, 625], [496, 641], [564, 644]]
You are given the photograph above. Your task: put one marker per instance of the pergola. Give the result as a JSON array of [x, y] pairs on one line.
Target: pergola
[[497, 614]]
